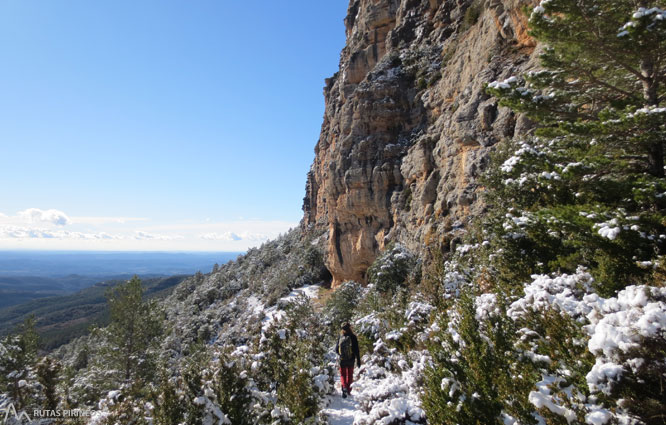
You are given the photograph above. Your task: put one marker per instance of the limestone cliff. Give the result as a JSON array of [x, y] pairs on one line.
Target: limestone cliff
[[407, 126]]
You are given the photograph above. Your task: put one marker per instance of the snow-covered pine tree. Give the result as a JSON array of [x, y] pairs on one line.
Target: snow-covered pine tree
[[585, 192], [391, 269], [48, 374], [475, 376], [125, 351], [589, 189], [581, 200], [168, 401], [292, 369], [341, 306], [232, 389], [604, 69], [18, 381]]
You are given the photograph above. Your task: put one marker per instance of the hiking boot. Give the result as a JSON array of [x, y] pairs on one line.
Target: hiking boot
[[344, 393]]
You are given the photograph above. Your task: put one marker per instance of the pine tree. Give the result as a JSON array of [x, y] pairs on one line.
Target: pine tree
[[292, 349], [475, 377], [586, 189], [193, 370], [128, 341], [17, 364], [589, 189], [391, 269], [341, 305], [232, 390], [169, 407], [48, 372], [604, 61]]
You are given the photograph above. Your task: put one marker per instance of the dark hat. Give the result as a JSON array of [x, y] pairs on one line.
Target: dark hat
[[346, 326]]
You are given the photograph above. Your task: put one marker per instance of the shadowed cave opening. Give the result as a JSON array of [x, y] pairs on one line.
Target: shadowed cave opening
[[326, 277]]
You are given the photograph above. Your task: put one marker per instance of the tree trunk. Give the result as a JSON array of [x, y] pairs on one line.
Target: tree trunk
[[650, 95], [656, 159]]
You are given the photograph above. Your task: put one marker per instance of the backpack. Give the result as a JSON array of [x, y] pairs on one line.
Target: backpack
[[345, 349]]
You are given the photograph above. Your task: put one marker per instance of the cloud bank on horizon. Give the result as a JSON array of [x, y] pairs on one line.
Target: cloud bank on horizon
[[34, 228]]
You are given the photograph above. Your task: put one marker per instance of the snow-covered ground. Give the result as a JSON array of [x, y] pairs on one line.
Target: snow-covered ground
[[340, 411], [276, 312]]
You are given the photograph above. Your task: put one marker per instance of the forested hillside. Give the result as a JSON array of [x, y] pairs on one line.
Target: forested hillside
[[62, 318]]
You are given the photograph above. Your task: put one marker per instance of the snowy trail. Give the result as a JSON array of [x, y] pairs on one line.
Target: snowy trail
[[340, 411]]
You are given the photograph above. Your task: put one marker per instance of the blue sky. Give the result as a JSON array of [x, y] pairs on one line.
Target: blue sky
[[192, 123]]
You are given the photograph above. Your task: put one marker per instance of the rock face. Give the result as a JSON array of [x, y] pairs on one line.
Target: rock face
[[407, 126]]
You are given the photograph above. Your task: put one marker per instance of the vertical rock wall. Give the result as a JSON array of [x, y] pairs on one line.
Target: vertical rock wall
[[407, 126]]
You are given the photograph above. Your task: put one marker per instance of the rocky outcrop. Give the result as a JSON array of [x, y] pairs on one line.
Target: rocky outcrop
[[407, 126]]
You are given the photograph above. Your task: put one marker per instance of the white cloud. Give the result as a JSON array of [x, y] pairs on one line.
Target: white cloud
[[255, 237], [21, 232], [37, 229], [232, 236], [35, 215], [226, 236], [105, 220], [141, 235]]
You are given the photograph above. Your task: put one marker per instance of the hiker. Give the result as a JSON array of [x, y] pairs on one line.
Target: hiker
[[347, 349]]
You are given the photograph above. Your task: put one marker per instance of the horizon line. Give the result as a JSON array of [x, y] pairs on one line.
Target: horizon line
[[104, 251]]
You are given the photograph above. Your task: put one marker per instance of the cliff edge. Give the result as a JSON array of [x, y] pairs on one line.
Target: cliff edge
[[407, 125]]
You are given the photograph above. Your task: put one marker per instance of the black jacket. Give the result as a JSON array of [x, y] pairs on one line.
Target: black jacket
[[357, 354]]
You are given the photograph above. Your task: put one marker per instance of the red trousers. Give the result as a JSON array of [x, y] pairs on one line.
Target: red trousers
[[347, 377]]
